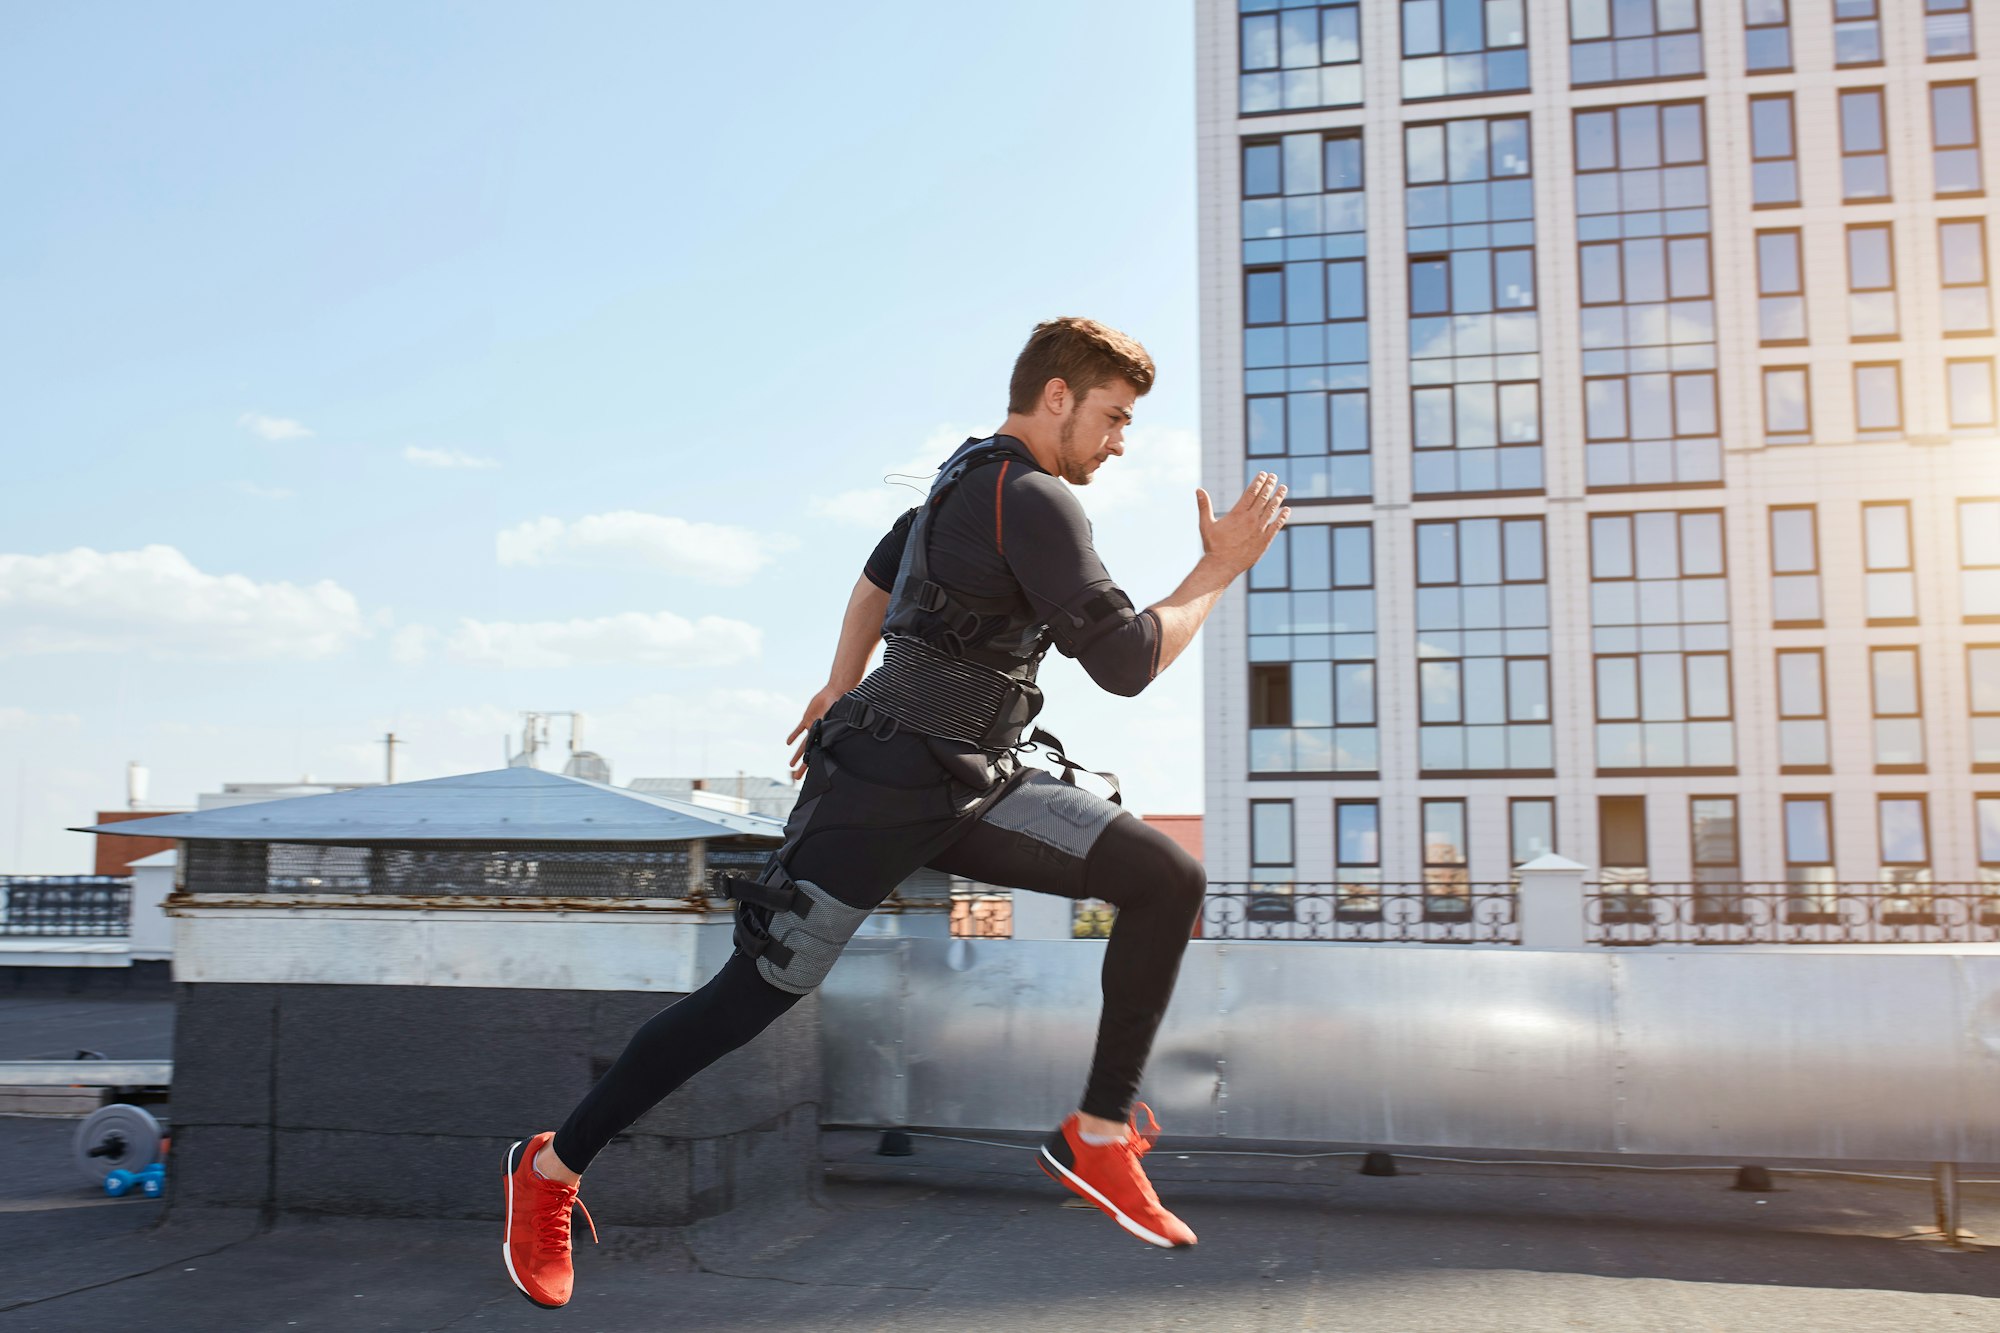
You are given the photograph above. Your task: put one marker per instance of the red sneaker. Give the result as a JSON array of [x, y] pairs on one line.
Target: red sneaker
[[535, 1243], [1109, 1176]]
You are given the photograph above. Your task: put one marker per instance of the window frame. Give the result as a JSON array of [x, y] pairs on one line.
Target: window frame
[[1985, 282], [1291, 834], [1976, 147], [1275, 15], [1872, 20], [1882, 136], [1973, 711], [1895, 302], [1933, 7], [1909, 565], [1514, 803], [1951, 394], [1783, 25], [1818, 655], [1772, 435], [1983, 618], [1876, 652], [1879, 432], [1816, 571], [1765, 292], [1790, 155]]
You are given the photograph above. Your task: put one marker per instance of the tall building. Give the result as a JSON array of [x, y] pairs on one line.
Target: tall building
[[1631, 367]]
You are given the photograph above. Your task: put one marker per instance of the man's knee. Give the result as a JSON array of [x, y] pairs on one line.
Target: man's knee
[[1136, 863]]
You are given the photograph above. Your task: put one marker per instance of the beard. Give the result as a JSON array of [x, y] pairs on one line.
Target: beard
[[1073, 470]]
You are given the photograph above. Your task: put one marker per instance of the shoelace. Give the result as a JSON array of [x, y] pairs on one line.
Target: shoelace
[[552, 1219]]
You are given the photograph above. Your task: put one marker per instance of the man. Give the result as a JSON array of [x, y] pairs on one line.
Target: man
[[913, 765]]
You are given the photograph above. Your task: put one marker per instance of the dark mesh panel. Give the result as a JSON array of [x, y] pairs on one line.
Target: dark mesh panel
[[416, 869]]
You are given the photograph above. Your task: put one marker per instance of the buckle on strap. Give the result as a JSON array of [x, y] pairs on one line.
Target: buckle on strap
[[754, 943], [928, 596], [781, 897], [1070, 768]]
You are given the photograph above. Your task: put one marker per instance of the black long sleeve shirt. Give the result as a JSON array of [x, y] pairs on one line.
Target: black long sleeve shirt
[[1014, 530]]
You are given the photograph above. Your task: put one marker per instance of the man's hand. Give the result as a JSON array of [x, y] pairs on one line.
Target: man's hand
[[814, 712], [1240, 537]]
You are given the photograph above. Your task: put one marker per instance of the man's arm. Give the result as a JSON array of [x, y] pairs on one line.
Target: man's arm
[[1230, 545], [860, 631]]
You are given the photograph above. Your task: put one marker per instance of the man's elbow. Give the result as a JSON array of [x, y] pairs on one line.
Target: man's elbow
[[1123, 679]]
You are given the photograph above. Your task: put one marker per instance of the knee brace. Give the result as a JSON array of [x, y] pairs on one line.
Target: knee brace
[[793, 928]]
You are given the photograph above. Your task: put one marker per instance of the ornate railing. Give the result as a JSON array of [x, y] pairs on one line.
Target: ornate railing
[[66, 905], [1771, 913], [1444, 911]]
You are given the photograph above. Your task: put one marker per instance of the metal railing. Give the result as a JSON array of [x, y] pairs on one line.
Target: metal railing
[[1779, 913], [467, 869], [65, 905], [1443, 911]]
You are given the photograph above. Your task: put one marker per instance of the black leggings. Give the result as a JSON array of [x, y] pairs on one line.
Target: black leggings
[[841, 846]]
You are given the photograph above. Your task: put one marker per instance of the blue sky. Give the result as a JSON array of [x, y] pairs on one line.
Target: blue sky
[[404, 367]]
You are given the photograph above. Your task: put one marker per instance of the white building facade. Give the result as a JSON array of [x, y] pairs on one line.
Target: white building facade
[[1631, 364]]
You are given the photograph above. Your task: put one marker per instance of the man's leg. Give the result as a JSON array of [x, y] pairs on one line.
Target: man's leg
[[856, 834], [1108, 854]]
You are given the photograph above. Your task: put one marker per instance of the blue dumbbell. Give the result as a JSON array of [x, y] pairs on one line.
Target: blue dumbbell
[[153, 1181], [118, 1182]]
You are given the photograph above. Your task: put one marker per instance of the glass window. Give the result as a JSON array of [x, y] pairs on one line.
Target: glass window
[[1270, 833], [1648, 327], [1871, 282], [1808, 841], [1947, 29], [1774, 167], [1659, 611], [1878, 396], [1357, 843], [1767, 36], [1445, 858], [1473, 331], [1312, 650], [1962, 272], [1781, 304], [1482, 645], [1531, 828], [1955, 138], [1712, 829], [1787, 407], [1979, 559], [1970, 384], [1986, 814], [1452, 48], [1864, 159], [1802, 743], [1982, 670], [1857, 32], [1890, 578], [1905, 840], [1899, 725], [1621, 838], [1795, 565], [1305, 334], [1301, 56], [1632, 40]]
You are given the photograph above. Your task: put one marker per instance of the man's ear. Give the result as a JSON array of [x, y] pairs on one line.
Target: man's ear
[[1055, 396]]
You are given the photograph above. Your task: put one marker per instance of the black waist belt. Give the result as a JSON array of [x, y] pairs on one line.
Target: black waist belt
[[931, 692]]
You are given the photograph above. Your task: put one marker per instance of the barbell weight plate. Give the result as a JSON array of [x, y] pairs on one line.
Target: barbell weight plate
[[132, 1129]]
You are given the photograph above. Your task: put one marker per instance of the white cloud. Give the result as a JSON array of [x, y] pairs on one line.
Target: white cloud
[[710, 552], [902, 485], [661, 639], [1160, 469], [154, 600], [446, 458], [20, 719], [273, 428], [411, 645], [256, 492]]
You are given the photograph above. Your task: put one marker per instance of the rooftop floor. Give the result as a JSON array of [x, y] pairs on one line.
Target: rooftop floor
[[971, 1236], [965, 1236]]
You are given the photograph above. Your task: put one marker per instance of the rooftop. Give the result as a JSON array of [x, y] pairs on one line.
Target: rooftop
[[969, 1235]]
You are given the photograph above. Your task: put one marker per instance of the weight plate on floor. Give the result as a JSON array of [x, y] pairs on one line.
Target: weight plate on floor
[[114, 1137]]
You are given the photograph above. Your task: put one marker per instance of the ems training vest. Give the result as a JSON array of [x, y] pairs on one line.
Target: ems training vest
[[954, 665]]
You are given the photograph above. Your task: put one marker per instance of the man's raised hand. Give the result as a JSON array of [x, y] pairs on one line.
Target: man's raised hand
[[1241, 536]]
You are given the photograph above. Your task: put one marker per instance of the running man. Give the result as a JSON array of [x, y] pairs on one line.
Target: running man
[[913, 764]]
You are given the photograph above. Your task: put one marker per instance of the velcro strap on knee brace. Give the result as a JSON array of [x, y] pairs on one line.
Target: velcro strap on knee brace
[[784, 896], [803, 946]]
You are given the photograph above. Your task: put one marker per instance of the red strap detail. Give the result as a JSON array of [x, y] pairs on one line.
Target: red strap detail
[[998, 544]]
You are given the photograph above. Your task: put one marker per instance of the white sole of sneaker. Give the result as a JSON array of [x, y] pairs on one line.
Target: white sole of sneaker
[[1081, 1186]]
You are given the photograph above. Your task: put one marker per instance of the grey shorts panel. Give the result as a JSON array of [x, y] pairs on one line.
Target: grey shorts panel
[[1052, 812]]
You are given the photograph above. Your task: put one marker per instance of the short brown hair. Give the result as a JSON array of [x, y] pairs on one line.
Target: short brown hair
[[1082, 354]]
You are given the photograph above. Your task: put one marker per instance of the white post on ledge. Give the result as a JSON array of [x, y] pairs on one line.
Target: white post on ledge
[[1551, 904]]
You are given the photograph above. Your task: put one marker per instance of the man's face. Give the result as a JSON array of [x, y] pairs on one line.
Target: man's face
[[1094, 430]]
